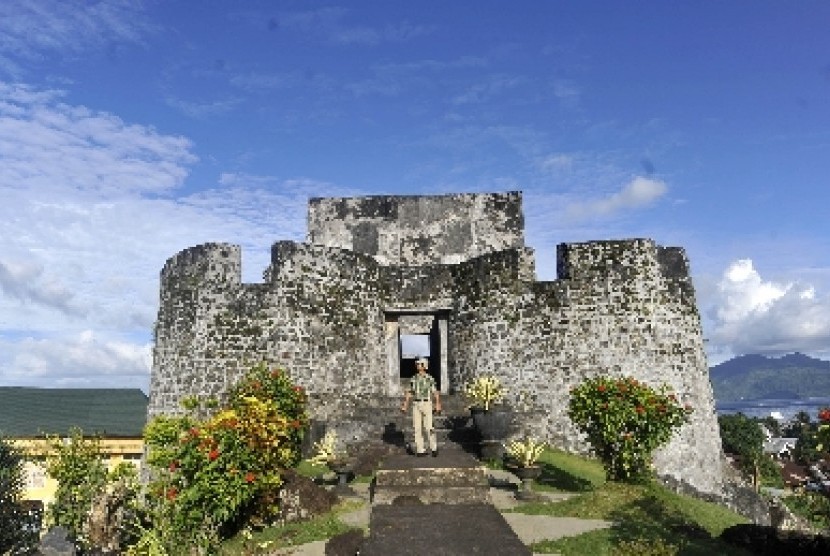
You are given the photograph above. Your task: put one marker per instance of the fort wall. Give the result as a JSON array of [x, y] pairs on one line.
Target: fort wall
[[331, 310], [419, 230]]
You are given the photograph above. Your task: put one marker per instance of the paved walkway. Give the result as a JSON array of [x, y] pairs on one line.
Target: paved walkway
[[528, 528]]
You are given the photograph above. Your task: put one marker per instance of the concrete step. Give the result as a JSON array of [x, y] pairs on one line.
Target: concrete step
[[454, 477]]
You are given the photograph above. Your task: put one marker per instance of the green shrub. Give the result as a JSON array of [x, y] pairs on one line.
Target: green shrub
[[625, 421], [213, 475], [812, 506], [743, 436], [76, 463], [15, 538], [823, 432], [645, 547]]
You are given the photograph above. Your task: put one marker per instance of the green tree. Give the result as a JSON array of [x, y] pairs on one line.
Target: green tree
[[13, 519], [625, 421], [802, 417], [742, 437], [823, 446], [214, 473], [823, 431], [772, 424], [807, 445], [799, 425], [77, 464]]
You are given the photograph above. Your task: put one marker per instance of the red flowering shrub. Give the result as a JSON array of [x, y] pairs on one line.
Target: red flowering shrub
[[209, 474], [823, 432], [625, 421]]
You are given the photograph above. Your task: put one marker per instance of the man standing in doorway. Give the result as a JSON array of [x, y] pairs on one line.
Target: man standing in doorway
[[421, 389]]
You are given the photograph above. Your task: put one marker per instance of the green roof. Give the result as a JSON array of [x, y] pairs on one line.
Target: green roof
[[108, 412]]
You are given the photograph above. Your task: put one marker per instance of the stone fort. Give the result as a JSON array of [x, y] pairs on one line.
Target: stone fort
[[453, 270]]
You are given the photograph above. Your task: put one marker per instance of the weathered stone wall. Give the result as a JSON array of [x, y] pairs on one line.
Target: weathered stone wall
[[623, 311], [318, 314], [418, 230], [330, 309], [193, 284]]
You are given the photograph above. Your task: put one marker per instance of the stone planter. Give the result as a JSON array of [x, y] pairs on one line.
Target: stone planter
[[527, 476], [343, 470], [494, 427]]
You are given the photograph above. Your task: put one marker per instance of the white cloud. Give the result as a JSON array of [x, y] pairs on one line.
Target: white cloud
[[494, 86], [370, 36], [421, 77], [44, 144], [330, 23], [85, 233], [77, 237], [267, 82], [76, 360], [640, 192], [753, 315], [33, 29], [567, 92], [26, 282], [557, 162], [742, 292], [203, 109]]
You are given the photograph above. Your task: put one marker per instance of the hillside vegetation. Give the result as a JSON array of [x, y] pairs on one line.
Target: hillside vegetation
[[750, 377]]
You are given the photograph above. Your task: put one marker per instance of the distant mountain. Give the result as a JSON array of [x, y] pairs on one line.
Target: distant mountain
[[749, 377]]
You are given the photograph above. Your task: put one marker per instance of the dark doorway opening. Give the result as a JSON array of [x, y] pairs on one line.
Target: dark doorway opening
[[412, 333]]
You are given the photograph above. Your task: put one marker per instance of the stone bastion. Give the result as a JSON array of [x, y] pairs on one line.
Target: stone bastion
[[453, 270]]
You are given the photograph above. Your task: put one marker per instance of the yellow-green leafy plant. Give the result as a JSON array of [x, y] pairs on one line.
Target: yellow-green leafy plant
[[525, 452], [646, 547], [76, 462], [823, 433], [484, 391], [326, 450], [212, 475]]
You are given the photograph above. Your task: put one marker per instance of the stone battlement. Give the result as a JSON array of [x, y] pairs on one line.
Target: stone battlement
[[419, 230], [453, 269]]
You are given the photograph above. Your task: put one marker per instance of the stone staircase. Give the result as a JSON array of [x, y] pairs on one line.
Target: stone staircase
[[455, 424], [438, 505], [453, 477]]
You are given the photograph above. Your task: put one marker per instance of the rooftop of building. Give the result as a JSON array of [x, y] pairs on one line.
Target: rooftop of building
[[107, 412]]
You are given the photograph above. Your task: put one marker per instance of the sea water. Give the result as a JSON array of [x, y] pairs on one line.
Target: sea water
[[780, 409]]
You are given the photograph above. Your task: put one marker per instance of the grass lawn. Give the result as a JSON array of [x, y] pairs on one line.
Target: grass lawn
[[812, 506], [270, 539], [319, 528], [649, 519]]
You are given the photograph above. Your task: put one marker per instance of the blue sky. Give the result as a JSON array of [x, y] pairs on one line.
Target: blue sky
[[131, 130]]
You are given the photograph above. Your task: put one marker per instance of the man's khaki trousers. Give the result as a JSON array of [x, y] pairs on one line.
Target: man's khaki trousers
[[422, 422]]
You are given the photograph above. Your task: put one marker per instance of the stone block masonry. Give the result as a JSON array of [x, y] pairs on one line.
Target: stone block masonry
[[416, 231], [331, 311]]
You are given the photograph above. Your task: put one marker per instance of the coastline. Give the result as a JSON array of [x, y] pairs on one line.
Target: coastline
[[764, 407]]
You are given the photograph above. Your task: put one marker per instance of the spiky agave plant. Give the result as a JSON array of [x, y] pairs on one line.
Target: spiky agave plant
[[485, 390]]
